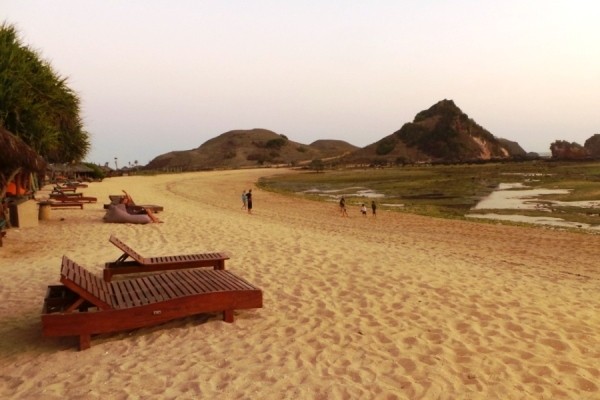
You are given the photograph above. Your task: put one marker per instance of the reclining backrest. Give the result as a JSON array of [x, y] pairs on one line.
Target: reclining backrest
[[126, 249], [85, 284], [115, 198]]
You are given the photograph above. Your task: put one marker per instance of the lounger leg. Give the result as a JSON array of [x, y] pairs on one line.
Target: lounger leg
[[85, 341], [107, 275], [228, 316]]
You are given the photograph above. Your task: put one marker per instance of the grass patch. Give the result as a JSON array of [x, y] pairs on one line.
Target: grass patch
[[450, 191]]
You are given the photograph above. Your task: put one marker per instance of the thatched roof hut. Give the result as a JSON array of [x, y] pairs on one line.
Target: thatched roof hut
[[17, 161], [69, 170], [15, 153]]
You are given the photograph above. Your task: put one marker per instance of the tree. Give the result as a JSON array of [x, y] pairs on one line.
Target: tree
[[317, 165], [563, 150], [592, 145], [37, 105]]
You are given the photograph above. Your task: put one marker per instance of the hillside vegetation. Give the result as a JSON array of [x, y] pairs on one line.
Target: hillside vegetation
[[440, 134]]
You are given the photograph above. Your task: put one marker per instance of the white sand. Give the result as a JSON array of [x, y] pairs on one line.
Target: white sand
[[393, 307]]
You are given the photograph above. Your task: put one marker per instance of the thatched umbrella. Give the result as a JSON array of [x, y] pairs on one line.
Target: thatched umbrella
[[15, 153], [16, 157], [69, 170]]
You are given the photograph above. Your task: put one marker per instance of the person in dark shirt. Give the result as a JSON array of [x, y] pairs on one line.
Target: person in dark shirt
[[249, 201]]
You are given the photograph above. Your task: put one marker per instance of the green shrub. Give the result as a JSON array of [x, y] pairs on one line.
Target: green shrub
[[385, 146], [275, 143]]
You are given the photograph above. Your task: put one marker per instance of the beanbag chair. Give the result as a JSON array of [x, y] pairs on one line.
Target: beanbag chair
[[117, 213]]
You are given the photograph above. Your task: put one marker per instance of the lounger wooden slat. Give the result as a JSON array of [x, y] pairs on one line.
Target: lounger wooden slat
[[119, 297], [167, 286], [124, 294], [66, 204], [202, 283], [159, 288], [156, 295], [215, 283], [139, 264], [85, 304], [65, 188], [144, 294], [223, 284], [180, 286], [72, 277], [135, 293], [64, 198], [189, 284], [63, 194], [194, 280]]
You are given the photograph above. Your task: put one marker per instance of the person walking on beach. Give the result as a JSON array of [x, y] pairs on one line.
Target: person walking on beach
[[249, 201], [343, 207], [374, 207], [244, 200], [363, 210]]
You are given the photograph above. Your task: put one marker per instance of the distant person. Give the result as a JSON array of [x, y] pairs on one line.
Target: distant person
[[343, 207], [244, 200], [374, 207], [249, 201], [363, 210]]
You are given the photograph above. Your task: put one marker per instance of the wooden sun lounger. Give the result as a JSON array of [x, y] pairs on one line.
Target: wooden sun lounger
[[66, 204], [67, 198], [85, 304], [76, 184], [139, 209], [60, 193], [65, 189], [151, 264], [132, 207]]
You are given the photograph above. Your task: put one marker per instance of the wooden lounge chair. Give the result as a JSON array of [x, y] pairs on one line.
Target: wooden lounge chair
[[59, 195], [132, 207], [66, 204], [76, 184], [68, 198], [150, 264], [65, 189], [85, 304]]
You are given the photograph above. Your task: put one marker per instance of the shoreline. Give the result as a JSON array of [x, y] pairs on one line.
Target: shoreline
[[397, 306]]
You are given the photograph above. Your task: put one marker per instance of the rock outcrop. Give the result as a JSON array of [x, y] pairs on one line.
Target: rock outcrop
[[442, 133]]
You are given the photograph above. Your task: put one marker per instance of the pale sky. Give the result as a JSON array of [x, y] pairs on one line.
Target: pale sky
[[157, 76]]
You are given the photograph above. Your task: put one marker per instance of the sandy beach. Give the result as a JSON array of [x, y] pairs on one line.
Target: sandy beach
[[393, 307]]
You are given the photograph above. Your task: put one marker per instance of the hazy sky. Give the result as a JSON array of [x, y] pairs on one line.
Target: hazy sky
[[157, 76]]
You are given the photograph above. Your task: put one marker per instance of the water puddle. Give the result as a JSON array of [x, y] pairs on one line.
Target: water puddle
[[535, 220], [517, 196], [348, 192]]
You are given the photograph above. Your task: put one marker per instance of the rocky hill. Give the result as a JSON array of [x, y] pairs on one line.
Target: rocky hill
[[249, 148], [442, 133]]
